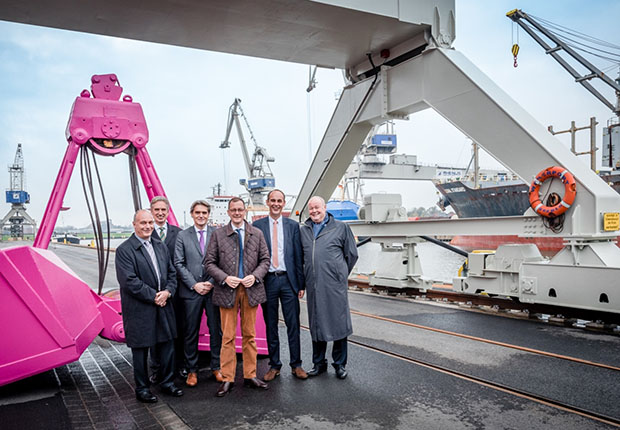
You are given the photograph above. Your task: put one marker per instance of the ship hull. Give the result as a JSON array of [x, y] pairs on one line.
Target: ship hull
[[495, 200]]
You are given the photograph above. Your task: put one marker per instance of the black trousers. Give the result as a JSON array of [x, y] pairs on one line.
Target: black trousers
[[177, 303], [165, 351], [193, 315], [279, 289], [339, 353]]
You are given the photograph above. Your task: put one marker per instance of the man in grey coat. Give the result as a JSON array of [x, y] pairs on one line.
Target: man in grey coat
[[147, 282], [330, 252], [196, 291]]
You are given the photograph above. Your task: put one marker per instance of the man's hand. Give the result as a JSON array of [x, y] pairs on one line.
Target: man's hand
[[162, 297], [301, 294], [208, 286], [232, 281], [248, 281], [201, 288]]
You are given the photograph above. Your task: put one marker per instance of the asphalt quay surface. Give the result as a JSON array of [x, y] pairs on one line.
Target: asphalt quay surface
[[580, 385], [380, 392]]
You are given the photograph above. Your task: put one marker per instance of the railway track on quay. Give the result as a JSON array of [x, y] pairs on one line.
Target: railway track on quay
[[485, 380], [544, 400], [606, 322]]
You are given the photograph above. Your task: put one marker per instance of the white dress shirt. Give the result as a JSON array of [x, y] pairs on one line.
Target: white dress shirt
[[280, 250]]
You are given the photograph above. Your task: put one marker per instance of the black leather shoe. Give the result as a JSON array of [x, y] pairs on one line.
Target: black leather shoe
[[341, 372], [172, 390], [146, 396], [225, 388], [317, 370], [255, 383]]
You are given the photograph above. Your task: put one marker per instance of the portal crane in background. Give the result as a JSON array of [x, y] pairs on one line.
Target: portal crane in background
[[260, 179], [17, 196], [611, 133]]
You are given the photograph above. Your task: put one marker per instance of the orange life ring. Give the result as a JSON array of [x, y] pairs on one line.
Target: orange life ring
[[570, 190]]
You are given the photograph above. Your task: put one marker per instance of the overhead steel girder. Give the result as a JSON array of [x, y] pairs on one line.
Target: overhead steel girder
[[507, 225], [446, 81]]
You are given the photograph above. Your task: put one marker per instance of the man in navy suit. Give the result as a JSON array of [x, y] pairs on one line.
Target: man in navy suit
[[283, 283], [147, 282], [160, 208], [196, 291]]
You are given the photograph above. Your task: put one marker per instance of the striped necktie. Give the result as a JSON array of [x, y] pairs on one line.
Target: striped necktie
[[162, 233]]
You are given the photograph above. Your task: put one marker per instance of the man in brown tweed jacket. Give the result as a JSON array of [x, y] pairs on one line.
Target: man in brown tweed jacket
[[238, 259]]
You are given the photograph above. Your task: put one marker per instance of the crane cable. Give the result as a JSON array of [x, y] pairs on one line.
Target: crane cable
[[103, 254], [577, 40], [515, 46], [133, 178]]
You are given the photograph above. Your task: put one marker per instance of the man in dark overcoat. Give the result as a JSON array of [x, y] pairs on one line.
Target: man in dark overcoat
[[147, 282], [330, 252], [238, 259], [283, 284]]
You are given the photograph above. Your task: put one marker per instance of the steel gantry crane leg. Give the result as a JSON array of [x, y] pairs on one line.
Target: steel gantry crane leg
[[447, 82]]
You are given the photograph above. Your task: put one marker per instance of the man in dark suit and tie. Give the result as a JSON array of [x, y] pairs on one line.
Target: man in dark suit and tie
[[195, 290], [147, 282], [283, 283], [160, 208]]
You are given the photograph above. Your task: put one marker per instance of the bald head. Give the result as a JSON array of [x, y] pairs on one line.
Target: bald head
[[317, 209], [143, 224]]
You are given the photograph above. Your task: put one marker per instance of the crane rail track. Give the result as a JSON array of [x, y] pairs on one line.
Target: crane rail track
[[490, 341], [496, 386], [607, 322], [602, 418]]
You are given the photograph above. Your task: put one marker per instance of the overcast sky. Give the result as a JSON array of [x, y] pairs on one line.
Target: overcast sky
[[186, 93]]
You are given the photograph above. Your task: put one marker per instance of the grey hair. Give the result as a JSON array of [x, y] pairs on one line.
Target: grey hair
[[160, 199], [200, 202]]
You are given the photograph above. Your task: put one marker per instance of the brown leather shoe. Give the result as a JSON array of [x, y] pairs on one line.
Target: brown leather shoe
[[299, 373], [271, 374], [255, 383], [192, 379], [217, 374], [224, 389]]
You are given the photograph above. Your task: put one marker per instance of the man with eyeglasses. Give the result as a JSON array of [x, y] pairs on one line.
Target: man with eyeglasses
[[238, 259]]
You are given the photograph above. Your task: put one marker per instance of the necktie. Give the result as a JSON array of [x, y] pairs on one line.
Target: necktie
[[240, 238], [149, 249], [202, 241], [162, 233], [274, 245]]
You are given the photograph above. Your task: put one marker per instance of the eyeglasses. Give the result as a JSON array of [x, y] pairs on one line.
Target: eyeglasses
[[236, 210]]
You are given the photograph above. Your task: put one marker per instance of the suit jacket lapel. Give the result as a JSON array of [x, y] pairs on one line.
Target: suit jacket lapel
[[210, 230], [194, 239], [267, 233], [147, 257]]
